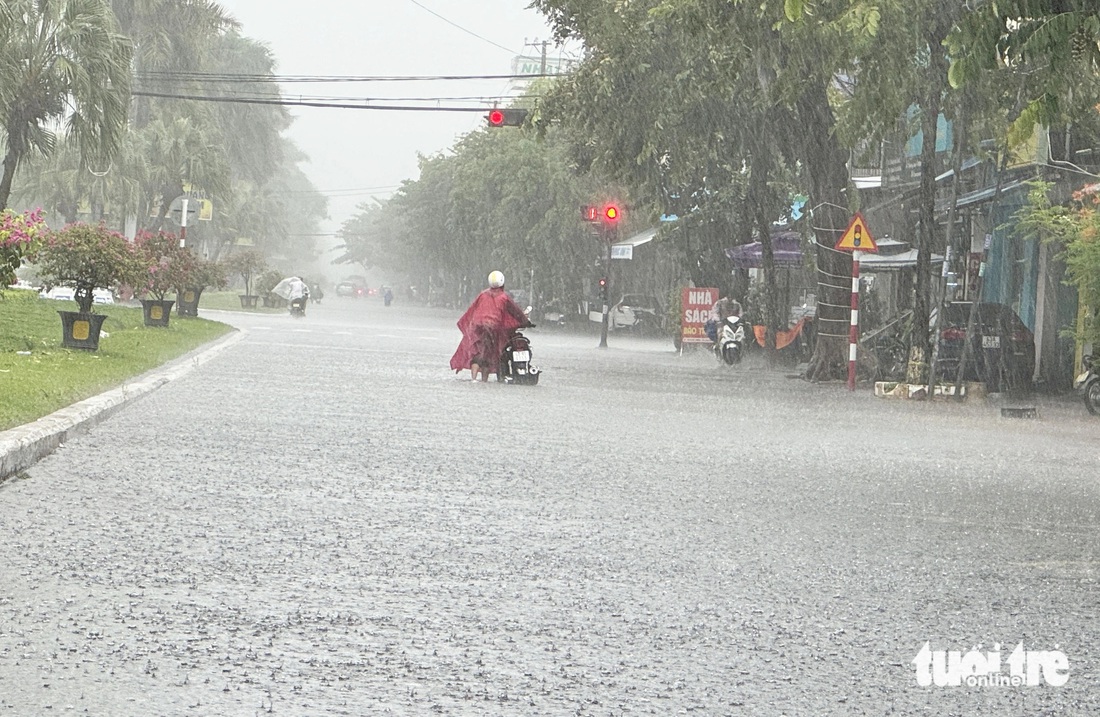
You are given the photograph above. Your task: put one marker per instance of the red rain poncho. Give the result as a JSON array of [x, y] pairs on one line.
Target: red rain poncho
[[486, 327]]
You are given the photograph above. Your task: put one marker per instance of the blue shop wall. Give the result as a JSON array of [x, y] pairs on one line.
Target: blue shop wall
[[1012, 278]]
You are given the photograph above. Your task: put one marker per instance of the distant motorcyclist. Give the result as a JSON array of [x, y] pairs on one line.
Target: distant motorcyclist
[[298, 294], [721, 309], [486, 327]]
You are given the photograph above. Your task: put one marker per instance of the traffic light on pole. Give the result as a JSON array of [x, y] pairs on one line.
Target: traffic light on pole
[[603, 289], [506, 117], [608, 214]]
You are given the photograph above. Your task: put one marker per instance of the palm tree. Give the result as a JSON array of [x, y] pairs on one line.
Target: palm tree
[[172, 34], [61, 61], [179, 151]]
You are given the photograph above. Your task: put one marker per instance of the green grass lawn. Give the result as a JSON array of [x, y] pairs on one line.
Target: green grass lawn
[[38, 376]]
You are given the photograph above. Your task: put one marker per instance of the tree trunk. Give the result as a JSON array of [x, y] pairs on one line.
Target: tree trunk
[[826, 164], [167, 195], [11, 162], [932, 106], [761, 211]]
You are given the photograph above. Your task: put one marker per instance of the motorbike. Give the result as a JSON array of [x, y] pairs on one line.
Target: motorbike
[[731, 340], [1088, 383], [298, 306], [515, 361]]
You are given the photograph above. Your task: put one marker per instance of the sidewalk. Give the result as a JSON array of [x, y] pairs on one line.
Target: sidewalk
[[23, 446]]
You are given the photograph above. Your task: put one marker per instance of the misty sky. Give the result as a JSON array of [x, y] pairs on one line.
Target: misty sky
[[355, 154]]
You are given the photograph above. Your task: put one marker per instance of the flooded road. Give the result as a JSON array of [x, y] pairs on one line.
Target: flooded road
[[325, 520]]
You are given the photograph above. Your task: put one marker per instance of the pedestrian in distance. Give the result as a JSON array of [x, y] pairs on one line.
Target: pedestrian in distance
[[486, 327]]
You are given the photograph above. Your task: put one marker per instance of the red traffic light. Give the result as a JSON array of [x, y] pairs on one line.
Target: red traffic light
[[611, 213], [506, 117], [603, 282]]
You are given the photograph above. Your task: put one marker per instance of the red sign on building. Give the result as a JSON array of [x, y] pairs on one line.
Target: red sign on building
[[696, 304]]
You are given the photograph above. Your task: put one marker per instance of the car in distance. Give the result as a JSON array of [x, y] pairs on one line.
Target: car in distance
[[1002, 349], [351, 288], [638, 312]]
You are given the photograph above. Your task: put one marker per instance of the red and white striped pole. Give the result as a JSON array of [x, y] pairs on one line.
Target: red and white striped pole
[[853, 330]]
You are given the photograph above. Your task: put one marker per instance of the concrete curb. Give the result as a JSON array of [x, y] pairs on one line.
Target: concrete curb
[[23, 446]]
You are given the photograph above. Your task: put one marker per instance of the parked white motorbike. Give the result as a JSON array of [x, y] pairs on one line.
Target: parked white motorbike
[[1088, 383]]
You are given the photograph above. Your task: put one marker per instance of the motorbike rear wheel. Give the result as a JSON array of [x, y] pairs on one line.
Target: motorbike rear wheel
[[1092, 397]]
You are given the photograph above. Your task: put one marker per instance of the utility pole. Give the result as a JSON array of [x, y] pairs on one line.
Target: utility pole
[[543, 67], [605, 287]]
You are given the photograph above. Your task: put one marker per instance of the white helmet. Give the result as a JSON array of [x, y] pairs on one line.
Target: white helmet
[[496, 279]]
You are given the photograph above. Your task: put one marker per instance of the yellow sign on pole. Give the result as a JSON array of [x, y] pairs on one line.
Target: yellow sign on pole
[[206, 210], [857, 237]]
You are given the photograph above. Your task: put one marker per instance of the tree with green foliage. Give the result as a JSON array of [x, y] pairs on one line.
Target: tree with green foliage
[[684, 98], [246, 263], [502, 199], [1074, 228], [231, 154], [61, 62], [1056, 42]]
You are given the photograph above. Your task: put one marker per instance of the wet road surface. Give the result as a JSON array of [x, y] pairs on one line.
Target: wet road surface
[[324, 520]]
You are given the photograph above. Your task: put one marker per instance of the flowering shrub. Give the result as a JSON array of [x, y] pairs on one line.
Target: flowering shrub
[[247, 264], [208, 273], [86, 257], [169, 267], [19, 237]]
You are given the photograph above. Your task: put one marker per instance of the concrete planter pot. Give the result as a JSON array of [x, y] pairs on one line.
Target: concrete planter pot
[[187, 303], [80, 330], [157, 312]]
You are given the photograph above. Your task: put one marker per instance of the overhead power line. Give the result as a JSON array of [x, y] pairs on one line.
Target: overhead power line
[[469, 32], [159, 76], [301, 103], [276, 95]]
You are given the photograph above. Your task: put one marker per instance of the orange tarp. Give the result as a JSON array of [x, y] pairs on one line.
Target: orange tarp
[[782, 338]]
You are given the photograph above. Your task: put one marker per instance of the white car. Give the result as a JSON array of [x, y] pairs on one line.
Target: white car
[[636, 311], [67, 293], [60, 293]]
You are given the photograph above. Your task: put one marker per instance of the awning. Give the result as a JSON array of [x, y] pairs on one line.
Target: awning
[[893, 262], [786, 246], [625, 249], [638, 239], [978, 196]]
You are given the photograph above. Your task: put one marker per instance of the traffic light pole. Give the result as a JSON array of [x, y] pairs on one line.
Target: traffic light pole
[[605, 292]]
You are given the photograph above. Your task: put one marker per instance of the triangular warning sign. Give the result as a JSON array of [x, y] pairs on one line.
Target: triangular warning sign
[[857, 237]]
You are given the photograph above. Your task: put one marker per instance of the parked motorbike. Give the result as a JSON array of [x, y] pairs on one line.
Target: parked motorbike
[[298, 306], [731, 340], [1088, 383], [515, 362]]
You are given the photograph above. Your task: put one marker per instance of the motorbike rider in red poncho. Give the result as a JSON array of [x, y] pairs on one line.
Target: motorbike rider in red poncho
[[486, 327]]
